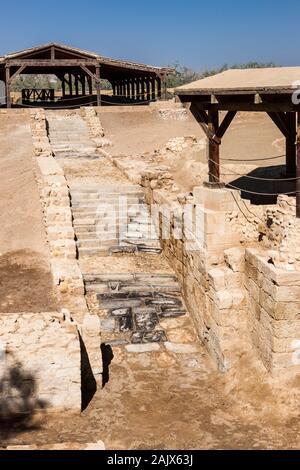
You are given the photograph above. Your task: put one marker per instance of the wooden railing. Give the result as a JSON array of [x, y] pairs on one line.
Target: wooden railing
[[38, 95]]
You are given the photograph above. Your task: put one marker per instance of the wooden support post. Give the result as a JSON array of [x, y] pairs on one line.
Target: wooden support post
[[132, 89], [90, 84], [63, 86], [76, 85], [7, 87], [165, 88], [70, 85], [143, 89], [82, 79], [138, 89], [298, 169], [158, 88], [213, 149], [114, 88], [148, 85], [98, 85], [128, 87], [291, 144], [153, 86]]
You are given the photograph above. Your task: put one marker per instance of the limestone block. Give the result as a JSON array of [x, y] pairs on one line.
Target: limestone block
[[215, 199], [235, 259], [223, 299], [58, 232], [91, 326], [48, 167], [217, 278]]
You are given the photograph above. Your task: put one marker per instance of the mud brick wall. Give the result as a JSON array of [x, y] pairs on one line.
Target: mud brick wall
[[273, 309], [39, 363]]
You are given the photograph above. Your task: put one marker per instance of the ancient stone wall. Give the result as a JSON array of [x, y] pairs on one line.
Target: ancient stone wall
[[273, 307], [55, 200], [237, 301], [40, 361]]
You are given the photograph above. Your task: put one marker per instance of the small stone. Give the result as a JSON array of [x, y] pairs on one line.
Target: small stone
[[178, 348], [142, 348], [97, 446]]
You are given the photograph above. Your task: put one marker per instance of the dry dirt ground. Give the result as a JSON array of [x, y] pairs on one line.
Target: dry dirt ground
[[251, 138], [25, 279], [251, 135]]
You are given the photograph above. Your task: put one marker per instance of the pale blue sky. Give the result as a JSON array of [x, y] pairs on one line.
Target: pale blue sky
[[199, 34]]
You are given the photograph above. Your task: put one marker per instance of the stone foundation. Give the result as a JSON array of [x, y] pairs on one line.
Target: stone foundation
[[40, 364], [238, 300], [273, 306]]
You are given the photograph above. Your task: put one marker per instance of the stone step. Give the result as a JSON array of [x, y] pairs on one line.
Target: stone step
[[142, 248], [78, 196], [92, 251], [109, 204], [109, 188], [105, 295], [130, 277], [96, 243]]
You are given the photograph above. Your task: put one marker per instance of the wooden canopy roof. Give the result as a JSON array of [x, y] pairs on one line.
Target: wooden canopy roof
[[46, 58], [243, 81], [274, 91]]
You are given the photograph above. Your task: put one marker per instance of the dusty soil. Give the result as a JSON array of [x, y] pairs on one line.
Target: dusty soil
[[26, 283], [251, 135], [166, 401], [252, 138]]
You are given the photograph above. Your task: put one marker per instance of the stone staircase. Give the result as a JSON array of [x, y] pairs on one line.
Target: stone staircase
[[133, 306], [112, 219], [69, 135]]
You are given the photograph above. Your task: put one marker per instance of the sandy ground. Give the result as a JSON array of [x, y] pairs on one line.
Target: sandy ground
[[25, 279], [251, 135], [252, 138]]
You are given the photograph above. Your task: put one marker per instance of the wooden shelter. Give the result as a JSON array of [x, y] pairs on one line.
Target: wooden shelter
[[274, 91], [79, 70]]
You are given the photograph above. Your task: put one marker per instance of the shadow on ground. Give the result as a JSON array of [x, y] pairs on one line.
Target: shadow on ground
[[274, 181], [19, 400]]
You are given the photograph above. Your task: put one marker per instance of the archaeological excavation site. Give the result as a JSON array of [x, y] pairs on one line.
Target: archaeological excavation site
[[149, 257]]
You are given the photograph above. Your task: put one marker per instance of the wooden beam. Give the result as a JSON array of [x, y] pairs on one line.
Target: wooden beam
[[51, 63], [143, 88], [148, 86], [298, 169], [158, 88], [52, 53], [213, 149], [153, 86], [70, 85], [88, 72], [291, 144], [98, 87], [287, 106], [280, 121], [63, 86], [133, 89], [18, 72], [225, 124], [76, 85], [7, 87], [202, 119]]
